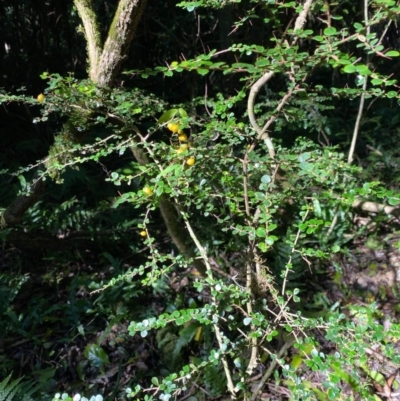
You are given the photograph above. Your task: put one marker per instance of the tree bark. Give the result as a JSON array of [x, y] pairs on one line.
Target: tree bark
[[118, 40], [105, 62]]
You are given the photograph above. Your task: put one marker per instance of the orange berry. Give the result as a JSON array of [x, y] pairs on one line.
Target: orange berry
[[40, 98], [147, 191], [173, 127], [143, 233], [191, 161], [182, 137]]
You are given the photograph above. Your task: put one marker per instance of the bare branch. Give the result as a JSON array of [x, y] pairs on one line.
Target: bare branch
[[203, 253], [373, 207], [302, 18], [271, 368], [362, 98], [300, 21]]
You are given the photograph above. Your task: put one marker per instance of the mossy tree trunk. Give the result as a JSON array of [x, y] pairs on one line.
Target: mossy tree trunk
[[105, 60], [104, 65]]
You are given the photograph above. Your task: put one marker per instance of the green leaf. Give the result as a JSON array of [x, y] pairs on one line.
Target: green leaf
[[376, 81], [321, 396], [391, 94], [96, 355], [169, 169], [261, 232], [304, 156], [358, 26], [182, 112], [394, 201], [262, 246], [392, 53], [350, 68], [330, 31], [363, 70], [167, 116], [317, 207], [297, 360], [262, 62], [270, 240], [202, 71], [266, 179]]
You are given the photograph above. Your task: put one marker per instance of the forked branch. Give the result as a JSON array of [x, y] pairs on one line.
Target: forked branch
[[105, 61], [262, 133]]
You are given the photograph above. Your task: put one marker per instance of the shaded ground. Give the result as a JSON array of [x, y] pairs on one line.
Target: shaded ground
[[59, 325]]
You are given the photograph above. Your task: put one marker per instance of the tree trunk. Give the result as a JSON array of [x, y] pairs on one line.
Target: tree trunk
[[104, 65], [105, 62]]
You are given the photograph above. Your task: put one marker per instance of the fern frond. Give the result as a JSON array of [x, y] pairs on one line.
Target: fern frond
[[215, 380], [17, 390], [6, 389]]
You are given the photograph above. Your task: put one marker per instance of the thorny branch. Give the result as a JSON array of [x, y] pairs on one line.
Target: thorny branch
[[262, 134], [203, 253]]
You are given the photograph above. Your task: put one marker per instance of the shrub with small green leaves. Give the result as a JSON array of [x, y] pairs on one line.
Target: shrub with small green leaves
[[266, 199]]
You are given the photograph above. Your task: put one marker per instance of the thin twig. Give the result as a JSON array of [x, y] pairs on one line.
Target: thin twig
[[299, 24], [291, 255], [254, 344], [356, 126], [203, 253], [271, 368], [262, 135], [362, 98]]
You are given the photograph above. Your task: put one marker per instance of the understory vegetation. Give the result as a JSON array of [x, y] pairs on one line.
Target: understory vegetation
[[199, 200]]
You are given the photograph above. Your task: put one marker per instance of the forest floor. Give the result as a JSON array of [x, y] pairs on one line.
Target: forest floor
[[54, 334]]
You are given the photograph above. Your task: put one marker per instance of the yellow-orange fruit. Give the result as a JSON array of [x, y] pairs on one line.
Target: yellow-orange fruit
[[147, 191], [173, 127], [191, 161], [40, 98]]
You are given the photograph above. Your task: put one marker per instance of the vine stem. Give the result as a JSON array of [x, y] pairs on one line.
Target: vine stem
[[203, 253]]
